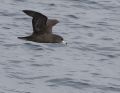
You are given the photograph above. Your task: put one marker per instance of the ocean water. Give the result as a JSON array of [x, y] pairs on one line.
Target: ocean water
[[89, 63]]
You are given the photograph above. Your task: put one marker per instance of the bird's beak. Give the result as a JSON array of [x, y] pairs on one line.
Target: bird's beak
[[63, 42], [58, 21]]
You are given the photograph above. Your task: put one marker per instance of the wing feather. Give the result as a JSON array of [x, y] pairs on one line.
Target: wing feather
[[39, 21]]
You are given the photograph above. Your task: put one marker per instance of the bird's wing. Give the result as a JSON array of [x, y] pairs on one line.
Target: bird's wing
[[39, 21]]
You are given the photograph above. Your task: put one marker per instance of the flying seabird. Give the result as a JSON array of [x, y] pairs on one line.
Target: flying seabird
[[42, 29]]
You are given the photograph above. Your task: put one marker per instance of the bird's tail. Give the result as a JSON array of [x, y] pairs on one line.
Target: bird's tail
[[22, 37]]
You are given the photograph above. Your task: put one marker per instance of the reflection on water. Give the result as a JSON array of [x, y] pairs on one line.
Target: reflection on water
[[89, 63]]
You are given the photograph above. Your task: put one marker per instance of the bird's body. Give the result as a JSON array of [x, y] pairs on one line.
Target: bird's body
[[44, 38], [42, 29]]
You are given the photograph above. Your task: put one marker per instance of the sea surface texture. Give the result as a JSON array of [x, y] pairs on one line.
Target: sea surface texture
[[89, 63]]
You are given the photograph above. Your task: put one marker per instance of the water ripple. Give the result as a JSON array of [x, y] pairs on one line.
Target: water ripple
[[68, 82], [42, 65], [79, 85], [73, 16], [89, 63], [26, 78]]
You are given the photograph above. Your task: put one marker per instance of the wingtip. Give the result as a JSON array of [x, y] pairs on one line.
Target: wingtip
[[23, 11], [29, 12], [26, 11]]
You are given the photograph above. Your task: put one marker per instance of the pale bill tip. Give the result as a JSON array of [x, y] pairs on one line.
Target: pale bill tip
[[63, 42]]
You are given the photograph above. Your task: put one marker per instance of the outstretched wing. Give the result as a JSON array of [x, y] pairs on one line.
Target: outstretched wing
[[39, 21]]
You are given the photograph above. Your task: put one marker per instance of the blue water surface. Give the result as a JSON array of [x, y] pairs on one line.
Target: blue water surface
[[89, 63]]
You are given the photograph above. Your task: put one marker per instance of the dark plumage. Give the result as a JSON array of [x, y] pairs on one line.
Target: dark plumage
[[42, 29]]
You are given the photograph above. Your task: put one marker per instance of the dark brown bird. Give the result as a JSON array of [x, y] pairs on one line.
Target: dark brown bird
[[42, 29]]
